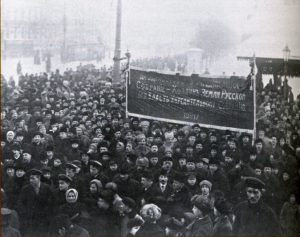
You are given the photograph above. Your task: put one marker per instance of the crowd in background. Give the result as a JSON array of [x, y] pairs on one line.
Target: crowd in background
[[74, 165]]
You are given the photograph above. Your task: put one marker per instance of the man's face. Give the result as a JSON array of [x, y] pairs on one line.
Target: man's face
[[113, 167], [253, 195], [19, 138], [213, 152], [154, 160], [177, 185], [267, 170], [258, 172], [163, 179], [128, 147], [258, 146], [128, 136], [115, 121], [42, 129], [145, 182], [34, 180], [63, 185], [213, 167], [199, 147], [192, 139], [93, 170], [285, 176], [192, 181], [190, 166], [154, 148], [203, 135], [70, 172], [26, 157], [274, 141], [167, 165], [103, 149], [118, 135], [232, 145]]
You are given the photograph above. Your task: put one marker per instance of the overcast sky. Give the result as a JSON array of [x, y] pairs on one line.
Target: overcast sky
[[154, 27]]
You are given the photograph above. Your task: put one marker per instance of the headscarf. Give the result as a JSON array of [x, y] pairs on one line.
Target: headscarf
[[98, 183], [75, 193]]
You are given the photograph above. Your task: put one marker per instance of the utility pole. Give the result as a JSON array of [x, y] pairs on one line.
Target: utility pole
[[116, 69], [63, 50]]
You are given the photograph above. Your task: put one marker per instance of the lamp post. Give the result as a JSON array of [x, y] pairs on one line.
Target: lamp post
[[286, 55]]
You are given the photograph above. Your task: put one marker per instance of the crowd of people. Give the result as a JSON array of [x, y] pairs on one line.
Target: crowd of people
[[74, 165]]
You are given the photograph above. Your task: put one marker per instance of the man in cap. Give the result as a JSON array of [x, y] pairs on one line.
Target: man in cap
[[254, 217], [126, 185], [78, 183], [217, 176], [179, 198], [95, 172], [35, 205], [64, 183], [147, 187]]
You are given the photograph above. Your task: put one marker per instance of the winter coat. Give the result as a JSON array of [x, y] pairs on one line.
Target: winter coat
[[289, 219], [222, 227], [149, 230], [200, 227], [255, 220], [35, 210]]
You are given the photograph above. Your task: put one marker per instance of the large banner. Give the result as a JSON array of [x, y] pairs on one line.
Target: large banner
[[222, 103]]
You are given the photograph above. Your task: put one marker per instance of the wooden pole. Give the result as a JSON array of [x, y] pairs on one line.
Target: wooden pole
[[116, 69]]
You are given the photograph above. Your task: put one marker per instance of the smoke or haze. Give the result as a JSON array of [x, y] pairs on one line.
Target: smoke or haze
[[160, 27]]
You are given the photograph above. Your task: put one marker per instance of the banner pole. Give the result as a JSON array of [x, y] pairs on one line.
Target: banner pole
[[127, 75], [254, 96]]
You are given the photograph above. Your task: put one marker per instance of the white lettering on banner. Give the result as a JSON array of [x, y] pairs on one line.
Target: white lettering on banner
[[211, 94], [232, 95]]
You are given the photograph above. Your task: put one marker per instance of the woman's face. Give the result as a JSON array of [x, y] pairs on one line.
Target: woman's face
[[10, 172], [205, 189], [71, 197], [93, 188], [192, 181], [20, 173]]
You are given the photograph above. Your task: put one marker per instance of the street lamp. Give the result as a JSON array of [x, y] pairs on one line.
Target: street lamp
[[286, 55]]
